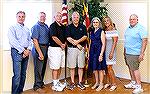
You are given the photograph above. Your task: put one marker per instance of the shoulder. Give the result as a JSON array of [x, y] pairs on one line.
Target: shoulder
[[82, 25], [53, 24]]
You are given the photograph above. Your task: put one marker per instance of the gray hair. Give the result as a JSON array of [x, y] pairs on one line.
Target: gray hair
[[75, 13], [134, 15], [96, 18]]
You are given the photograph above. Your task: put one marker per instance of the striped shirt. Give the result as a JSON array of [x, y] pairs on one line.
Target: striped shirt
[[19, 37]]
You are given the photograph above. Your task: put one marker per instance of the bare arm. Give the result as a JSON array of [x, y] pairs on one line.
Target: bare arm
[[58, 42], [115, 40], [103, 39], [36, 44], [144, 43]]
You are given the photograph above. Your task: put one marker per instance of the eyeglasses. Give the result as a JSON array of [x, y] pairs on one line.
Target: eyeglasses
[[95, 22]]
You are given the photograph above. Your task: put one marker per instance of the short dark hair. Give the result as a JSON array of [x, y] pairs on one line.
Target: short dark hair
[[43, 13], [20, 12]]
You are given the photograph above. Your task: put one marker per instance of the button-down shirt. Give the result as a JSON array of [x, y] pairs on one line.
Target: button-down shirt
[[19, 37], [133, 39], [41, 33]]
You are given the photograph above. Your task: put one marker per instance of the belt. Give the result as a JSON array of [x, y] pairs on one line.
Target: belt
[[44, 45], [72, 46]]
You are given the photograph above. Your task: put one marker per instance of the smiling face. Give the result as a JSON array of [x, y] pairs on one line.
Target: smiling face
[[133, 20], [96, 23], [75, 18], [20, 17], [107, 22], [58, 17]]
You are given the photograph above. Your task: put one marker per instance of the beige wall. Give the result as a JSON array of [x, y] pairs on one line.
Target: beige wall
[[1, 54]]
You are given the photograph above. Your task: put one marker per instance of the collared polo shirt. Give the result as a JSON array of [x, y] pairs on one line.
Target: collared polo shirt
[[57, 31], [40, 32], [76, 33], [133, 39]]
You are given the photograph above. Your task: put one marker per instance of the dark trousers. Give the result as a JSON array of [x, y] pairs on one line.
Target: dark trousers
[[39, 67], [19, 70]]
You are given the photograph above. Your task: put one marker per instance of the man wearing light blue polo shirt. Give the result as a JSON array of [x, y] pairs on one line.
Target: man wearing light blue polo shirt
[[134, 48]]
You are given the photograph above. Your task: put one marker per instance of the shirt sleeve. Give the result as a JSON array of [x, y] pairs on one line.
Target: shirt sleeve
[[52, 30], [13, 40], [30, 42], [35, 32], [143, 33], [84, 30]]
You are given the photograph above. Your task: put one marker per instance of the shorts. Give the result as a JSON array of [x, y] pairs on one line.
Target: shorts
[[75, 57], [132, 61], [56, 57]]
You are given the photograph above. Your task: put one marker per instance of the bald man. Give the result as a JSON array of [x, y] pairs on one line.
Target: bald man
[[134, 48]]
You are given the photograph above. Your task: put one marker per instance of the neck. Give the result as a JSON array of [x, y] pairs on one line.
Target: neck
[[109, 28], [58, 23], [96, 29], [75, 24]]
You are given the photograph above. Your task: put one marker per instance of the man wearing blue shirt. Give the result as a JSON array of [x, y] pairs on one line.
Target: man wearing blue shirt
[[134, 48], [20, 43], [40, 37]]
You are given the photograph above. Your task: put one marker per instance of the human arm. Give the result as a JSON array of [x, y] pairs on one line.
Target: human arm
[[37, 47], [59, 42], [103, 39], [115, 40], [144, 43]]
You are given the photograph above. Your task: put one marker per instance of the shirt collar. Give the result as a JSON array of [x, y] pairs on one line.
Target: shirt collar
[[40, 23], [22, 25], [134, 26]]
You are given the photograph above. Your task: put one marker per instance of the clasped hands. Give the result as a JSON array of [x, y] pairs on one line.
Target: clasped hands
[[76, 43], [26, 53]]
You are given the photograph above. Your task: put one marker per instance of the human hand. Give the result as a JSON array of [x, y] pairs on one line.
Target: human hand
[[26, 53], [141, 57], [76, 42], [79, 47], [100, 58], [41, 57], [110, 56], [63, 46]]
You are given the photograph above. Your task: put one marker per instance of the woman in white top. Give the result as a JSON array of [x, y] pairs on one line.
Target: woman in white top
[[111, 42]]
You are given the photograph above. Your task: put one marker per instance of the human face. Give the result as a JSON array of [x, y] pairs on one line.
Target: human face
[[20, 18], [58, 17], [107, 22], [42, 17], [96, 24], [133, 20], [75, 18]]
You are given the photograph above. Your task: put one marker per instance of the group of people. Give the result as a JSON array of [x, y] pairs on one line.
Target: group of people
[[49, 44]]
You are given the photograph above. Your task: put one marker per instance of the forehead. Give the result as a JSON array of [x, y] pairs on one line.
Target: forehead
[[20, 14], [75, 15], [95, 20], [58, 14]]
